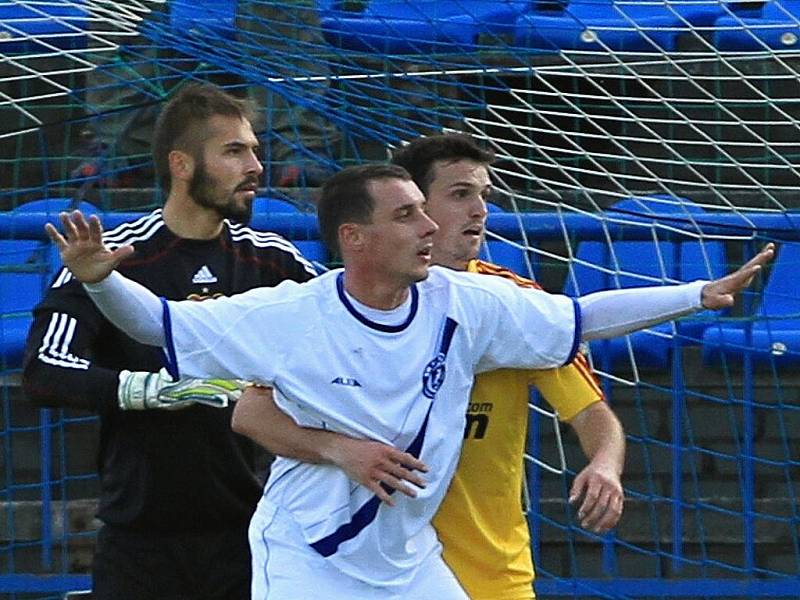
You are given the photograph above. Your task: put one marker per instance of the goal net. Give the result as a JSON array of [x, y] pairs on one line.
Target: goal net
[[637, 143]]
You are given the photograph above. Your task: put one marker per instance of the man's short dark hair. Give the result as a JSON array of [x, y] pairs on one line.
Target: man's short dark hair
[[182, 124], [419, 156], [345, 198]]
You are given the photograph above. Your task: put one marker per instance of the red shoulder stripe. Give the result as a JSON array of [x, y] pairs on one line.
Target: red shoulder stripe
[[488, 268], [585, 370], [580, 362]]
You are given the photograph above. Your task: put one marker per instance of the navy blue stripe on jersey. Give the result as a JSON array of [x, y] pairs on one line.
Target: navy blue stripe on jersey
[[329, 545], [576, 340], [372, 324], [168, 351], [447, 335]]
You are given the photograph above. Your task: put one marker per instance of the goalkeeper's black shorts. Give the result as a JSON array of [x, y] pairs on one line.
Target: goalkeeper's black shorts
[[186, 566]]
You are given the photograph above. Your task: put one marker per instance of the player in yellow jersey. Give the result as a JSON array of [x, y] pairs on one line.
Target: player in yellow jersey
[[481, 522]]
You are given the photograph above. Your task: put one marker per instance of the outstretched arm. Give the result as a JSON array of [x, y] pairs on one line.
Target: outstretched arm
[[619, 312], [374, 465], [137, 311], [597, 489], [129, 306]]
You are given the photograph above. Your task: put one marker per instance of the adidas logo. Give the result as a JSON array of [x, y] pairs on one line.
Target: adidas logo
[[204, 275]]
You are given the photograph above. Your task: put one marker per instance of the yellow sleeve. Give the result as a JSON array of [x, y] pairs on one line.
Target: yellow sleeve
[[568, 389]]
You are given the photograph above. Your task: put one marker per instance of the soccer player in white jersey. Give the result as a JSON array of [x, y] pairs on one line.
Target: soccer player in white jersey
[[384, 349]]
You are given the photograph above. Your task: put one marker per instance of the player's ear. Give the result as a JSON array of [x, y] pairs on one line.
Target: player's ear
[[351, 237], [181, 165]]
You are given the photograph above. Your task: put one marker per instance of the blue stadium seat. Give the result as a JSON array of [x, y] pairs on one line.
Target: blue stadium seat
[[505, 255], [617, 26], [776, 329], [642, 260], [262, 205], [314, 251], [776, 27], [418, 26], [24, 274], [40, 26], [204, 17], [56, 205], [53, 206]]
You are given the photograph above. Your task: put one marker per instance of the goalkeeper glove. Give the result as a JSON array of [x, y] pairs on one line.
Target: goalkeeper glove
[[141, 390]]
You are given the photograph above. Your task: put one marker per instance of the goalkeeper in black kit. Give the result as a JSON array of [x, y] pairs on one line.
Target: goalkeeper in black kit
[[178, 487]]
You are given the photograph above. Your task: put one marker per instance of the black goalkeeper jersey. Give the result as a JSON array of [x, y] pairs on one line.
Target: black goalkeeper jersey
[[160, 470]]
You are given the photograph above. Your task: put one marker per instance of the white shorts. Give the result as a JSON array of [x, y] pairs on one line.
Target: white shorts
[[285, 567]]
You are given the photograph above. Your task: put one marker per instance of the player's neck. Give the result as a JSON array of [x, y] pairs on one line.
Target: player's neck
[[187, 220], [374, 293]]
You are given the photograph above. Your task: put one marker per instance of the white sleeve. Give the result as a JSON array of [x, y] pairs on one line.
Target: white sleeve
[[527, 328], [243, 336], [234, 337], [617, 312], [130, 306]]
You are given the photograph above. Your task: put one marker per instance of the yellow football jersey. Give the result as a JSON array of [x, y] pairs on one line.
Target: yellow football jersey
[[481, 522]]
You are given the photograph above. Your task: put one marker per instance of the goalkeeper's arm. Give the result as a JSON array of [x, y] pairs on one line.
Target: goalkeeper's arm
[[140, 390]]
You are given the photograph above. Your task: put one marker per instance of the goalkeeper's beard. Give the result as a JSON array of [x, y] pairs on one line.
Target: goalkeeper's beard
[[206, 192]]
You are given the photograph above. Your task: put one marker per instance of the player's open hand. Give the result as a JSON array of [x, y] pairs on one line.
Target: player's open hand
[[82, 249], [721, 293], [597, 493], [379, 467]]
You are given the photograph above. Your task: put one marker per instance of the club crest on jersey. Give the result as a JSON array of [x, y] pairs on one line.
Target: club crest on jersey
[[433, 375]]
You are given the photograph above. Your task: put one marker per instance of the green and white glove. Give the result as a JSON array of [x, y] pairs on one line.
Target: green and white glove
[[141, 390]]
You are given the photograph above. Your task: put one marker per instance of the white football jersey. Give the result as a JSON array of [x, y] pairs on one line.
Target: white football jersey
[[406, 385]]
